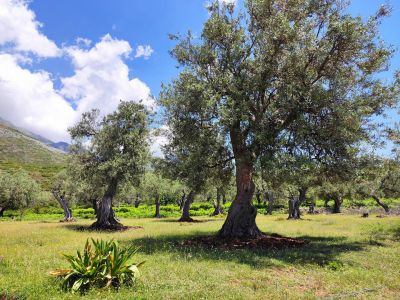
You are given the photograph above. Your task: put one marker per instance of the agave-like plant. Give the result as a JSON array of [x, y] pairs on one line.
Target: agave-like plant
[[104, 265]]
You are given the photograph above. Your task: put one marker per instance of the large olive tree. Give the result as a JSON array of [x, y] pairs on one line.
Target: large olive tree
[[282, 75], [111, 150]]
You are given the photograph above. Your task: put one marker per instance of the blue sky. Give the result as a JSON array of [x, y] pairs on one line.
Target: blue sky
[[68, 69], [149, 22], [138, 22]]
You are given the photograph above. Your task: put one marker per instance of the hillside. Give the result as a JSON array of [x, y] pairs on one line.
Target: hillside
[[19, 150]]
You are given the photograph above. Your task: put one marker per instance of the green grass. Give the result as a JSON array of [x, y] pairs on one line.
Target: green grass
[[123, 211], [346, 255], [172, 210]]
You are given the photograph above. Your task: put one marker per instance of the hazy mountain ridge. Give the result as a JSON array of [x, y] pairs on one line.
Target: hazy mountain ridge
[[63, 146], [19, 150], [19, 147]]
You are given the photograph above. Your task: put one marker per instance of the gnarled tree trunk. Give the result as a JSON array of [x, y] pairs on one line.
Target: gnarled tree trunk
[[185, 217], [338, 200], [295, 202], [158, 203], [106, 218], [380, 203], [241, 219], [270, 198], [311, 207], [2, 209], [217, 205], [64, 204], [302, 194], [182, 201], [223, 198], [294, 208]]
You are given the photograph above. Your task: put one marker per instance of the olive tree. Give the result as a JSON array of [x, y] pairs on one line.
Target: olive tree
[[377, 178], [197, 163], [17, 191], [220, 177], [157, 189], [279, 76], [110, 151], [62, 188]]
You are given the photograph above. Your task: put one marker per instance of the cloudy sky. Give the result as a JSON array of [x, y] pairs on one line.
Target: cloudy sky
[[61, 58]]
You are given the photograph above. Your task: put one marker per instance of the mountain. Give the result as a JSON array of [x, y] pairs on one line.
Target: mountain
[[58, 145], [63, 146], [19, 149]]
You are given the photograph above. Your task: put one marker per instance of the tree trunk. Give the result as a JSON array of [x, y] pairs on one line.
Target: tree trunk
[[223, 198], [294, 208], [311, 207], [270, 197], [241, 219], [158, 203], [379, 202], [137, 201], [185, 217], [95, 206], [217, 205], [63, 202], [105, 215], [182, 201], [302, 194], [258, 197], [2, 209], [338, 200]]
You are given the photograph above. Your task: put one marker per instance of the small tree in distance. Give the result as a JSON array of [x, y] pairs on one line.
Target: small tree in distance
[[17, 191], [63, 188]]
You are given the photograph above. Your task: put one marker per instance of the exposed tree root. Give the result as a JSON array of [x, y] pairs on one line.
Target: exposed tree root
[[189, 220], [69, 220]]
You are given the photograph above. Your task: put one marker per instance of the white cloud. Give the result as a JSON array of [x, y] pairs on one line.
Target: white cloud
[[83, 41], [158, 138], [101, 77], [18, 27], [144, 51], [28, 100]]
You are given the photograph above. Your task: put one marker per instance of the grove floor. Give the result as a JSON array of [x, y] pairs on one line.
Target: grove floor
[[347, 257]]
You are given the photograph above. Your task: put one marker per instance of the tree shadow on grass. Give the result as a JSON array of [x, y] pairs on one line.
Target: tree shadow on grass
[[185, 222], [396, 233], [321, 251], [89, 228]]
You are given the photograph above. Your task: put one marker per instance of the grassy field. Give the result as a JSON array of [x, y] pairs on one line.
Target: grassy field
[[347, 256]]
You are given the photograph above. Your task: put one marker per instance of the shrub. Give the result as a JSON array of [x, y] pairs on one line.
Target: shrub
[[122, 209], [104, 266]]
